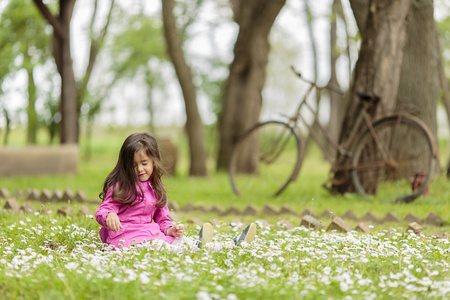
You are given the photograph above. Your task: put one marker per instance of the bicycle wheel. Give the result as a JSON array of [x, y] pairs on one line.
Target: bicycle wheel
[[265, 159], [396, 157]]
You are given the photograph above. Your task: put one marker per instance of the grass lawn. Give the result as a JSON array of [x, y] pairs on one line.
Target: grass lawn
[[47, 256]]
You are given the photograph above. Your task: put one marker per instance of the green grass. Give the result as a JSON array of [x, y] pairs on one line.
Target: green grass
[[54, 257], [215, 189], [50, 257]]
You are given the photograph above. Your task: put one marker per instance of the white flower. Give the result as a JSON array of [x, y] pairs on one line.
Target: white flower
[[344, 286], [327, 270], [144, 278], [71, 266], [232, 297], [203, 296]]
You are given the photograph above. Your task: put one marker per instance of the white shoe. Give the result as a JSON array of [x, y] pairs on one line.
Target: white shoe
[[205, 235], [247, 235]]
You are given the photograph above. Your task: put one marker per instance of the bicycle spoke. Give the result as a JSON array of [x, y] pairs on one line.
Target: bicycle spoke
[[394, 151], [265, 159], [370, 166], [397, 136]]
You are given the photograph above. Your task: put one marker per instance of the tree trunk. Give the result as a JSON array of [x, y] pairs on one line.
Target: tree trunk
[[31, 109], [8, 126], [336, 105], [444, 87], [63, 59], [360, 10], [419, 77], [378, 67], [243, 92], [194, 125]]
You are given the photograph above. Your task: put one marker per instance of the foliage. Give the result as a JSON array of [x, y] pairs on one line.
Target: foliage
[[24, 44], [23, 32], [136, 43]]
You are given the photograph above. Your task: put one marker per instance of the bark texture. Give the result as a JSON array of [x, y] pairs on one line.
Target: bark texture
[[398, 62], [379, 64], [419, 77], [31, 110], [243, 92], [194, 125], [63, 59]]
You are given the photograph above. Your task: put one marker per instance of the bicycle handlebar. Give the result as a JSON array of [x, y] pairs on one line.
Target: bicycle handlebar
[[329, 86]]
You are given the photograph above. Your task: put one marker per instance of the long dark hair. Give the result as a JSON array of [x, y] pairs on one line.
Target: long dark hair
[[123, 177]]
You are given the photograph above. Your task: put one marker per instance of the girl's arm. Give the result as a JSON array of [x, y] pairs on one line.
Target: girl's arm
[[162, 218], [108, 206]]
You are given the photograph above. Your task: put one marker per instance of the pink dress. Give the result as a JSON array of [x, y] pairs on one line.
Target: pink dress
[[141, 222]]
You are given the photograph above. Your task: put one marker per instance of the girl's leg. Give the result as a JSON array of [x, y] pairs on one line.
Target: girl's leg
[[206, 234], [204, 239], [178, 245], [187, 243], [247, 235]]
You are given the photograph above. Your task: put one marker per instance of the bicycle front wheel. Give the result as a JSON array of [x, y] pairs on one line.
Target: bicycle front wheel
[[396, 158], [265, 159]]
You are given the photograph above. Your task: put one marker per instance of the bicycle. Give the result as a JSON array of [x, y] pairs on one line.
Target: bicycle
[[269, 155]]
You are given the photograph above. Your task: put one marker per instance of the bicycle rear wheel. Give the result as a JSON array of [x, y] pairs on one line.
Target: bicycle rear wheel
[[397, 157], [265, 159]]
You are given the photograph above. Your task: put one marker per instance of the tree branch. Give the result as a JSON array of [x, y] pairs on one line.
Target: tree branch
[[96, 44], [51, 19], [360, 10]]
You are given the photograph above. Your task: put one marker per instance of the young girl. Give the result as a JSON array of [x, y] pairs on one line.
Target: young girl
[[134, 203]]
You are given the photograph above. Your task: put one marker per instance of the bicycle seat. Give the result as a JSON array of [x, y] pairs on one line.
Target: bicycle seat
[[367, 96]]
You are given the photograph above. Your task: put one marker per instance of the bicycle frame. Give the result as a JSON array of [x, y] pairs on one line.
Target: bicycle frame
[[365, 155], [343, 149], [294, 120]]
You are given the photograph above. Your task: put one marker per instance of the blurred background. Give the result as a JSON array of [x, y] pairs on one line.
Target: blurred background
[[200, 72]]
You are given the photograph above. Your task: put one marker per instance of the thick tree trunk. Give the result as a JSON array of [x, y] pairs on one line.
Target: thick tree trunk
[[444, 87], [69, 107], [243, 93], [360, 10], [194, 125], [419, 77], [63, 58], [379, 65]]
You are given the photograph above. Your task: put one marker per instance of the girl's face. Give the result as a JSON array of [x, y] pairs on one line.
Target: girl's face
[[143, 165]]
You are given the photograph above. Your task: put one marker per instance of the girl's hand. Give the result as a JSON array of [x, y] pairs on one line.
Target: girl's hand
[[113, 222], [176, 231]]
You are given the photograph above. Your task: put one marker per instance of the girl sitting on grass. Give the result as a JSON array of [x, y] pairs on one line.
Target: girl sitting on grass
[[134, 204]]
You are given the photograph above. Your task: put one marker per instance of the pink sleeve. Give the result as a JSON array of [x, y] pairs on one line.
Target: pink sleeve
[[108, 205], [162, 218]]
